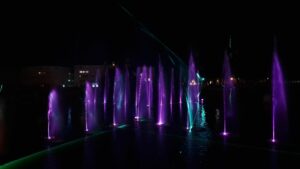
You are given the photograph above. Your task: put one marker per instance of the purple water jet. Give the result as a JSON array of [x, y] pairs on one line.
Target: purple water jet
[[161, 97], [90, 104], [119, 115], [105, 91], [143, 93], [228, 90], [171, 91], [150, 92], [54, 116], [279, 106], [126, 92]]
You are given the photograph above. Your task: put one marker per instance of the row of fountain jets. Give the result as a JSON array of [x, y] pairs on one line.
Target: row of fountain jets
[[189, 94]]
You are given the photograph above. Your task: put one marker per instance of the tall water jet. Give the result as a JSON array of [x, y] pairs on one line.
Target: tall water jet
[[54, 116], [150, 92], [90, 104], [203, 115], [118, 99], [137, 93], [180, 94], [161, 96], [171, 92], [143, 93], [105, 91], [228, 95], [193, 94], [279, 106], [126, 93]]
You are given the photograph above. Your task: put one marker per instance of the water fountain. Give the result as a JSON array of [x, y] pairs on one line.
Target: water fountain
[[171, 92], [54, 116], [162, 107], [105, 92], [126, 93], [143, 93], [279, 106], [228, 95], [119, 115], [193, 95], [90, 104]]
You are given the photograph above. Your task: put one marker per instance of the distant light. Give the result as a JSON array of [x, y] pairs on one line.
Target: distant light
[[115, 124], [273, 140], [267, 78], [113, 64], [39, 73], [63, 85], [202, 79], [231, 78], [69, 80], [149, 79], [217, 81], [210, 82]]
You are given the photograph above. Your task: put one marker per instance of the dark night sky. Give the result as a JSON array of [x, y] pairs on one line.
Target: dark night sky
[[97, 34]]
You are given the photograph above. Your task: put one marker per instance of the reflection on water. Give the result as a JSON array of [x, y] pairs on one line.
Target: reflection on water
[[89, 157], [50, 160], [196, 145]]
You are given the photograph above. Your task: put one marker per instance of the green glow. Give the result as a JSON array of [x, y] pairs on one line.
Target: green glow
[[21, 162], [202, 79], [203, 117], [122, 126], [198, 75], [190, 120]]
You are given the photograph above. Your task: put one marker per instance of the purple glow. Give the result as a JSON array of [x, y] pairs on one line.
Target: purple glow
[[279, 108], [119, 115], [144, 92], [228, 90], [180, 94], [126, 93], [161, 97], [160, 123], [171, 91], [106, 90], [150, 91], [225, 133], [90, 103], [54, 127]]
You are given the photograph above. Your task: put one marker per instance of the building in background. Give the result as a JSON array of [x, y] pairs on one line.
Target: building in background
[[84, 73], [45, 76]]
